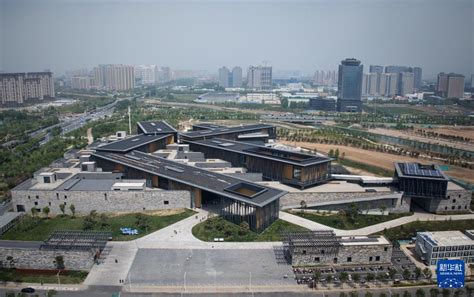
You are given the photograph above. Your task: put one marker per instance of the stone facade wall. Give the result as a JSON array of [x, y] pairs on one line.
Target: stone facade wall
[[394, 202], [33, 258], [347, 255], [101, 201], [456, 201]]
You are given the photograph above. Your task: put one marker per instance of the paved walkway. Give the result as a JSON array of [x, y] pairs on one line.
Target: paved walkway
[[418, 216]]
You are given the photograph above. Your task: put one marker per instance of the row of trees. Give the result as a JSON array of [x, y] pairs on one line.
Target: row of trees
[[46, 210]]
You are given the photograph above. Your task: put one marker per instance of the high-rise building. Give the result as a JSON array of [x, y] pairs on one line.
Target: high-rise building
[[225, 77], [417, 78], [165, 75], [325, 78], [114, 77], [375, 69], [442, 85], [455, 86], [82, 82], [259, 77], [236, 77], [349, 89], [146, 74], [405, 83], [20, 88], [388, 84], [396, 69]]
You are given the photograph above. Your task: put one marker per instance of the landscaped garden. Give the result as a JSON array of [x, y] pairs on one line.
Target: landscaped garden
[[51, 277], [217, 227], [39, 228], [346, 221]]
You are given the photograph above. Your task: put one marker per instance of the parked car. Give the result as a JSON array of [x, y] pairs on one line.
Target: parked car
[[28, 290]]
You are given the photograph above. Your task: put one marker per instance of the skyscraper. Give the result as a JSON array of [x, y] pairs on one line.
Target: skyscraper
[[349, 88], [417, 73], [455, 87], [116, 77], [442, 85], [405, 83], [388, 84], [236, 77], [224, 77], [20, 88], [259, 77], [375, 69]]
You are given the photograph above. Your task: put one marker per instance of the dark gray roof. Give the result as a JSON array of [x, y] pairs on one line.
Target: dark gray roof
[[224, 130], [79, 184], [209, 126], [130, 143], [190, 175], [290, 157], [156, 127], [20, 244]]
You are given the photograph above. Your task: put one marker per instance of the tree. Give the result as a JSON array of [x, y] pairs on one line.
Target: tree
[[331, 153], [59, 262], [328, 278], [343, 276], [370, 277], [382, 295], [392, 272], [356, 277], [51, 293], [316, 277], [104, 220], [62, 207], [368, 294], [34, 211], [244, 227], [303, 205], [420, 293], [406, 274], [446, 292], [427, 272], [383, 208], [72, 208], [434, 292], [417, 272], [11, 262], [353, 294], [342, 294], [336, 153], [46, 211], [406, 294]]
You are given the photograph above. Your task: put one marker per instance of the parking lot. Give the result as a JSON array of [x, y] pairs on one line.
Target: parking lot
[[209, 267]]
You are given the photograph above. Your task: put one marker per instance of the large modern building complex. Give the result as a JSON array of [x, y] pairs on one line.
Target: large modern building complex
[[349, 88], [289, 167], [20, 88], [257, 132], [450, 85]]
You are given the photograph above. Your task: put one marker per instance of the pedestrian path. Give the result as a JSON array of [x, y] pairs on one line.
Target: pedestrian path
[[417, 216]]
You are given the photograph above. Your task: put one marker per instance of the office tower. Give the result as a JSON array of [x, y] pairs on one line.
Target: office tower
[[376, 69], [259, 77], [225, 80], [417, 73], [114, 77], [20, 88], [405, 83], [236, 77], [349, 89], [455, 87]]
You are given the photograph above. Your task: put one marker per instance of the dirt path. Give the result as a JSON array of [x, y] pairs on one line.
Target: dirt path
[[381, 160]]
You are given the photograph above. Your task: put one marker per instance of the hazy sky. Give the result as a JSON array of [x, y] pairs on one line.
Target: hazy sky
[[291, 35]]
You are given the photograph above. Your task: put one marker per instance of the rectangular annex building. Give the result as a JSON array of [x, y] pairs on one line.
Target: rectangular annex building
[[206, 131], [420, 180], [434, 246], [157, 128], [292, 168], [234, 199], [147, 143]]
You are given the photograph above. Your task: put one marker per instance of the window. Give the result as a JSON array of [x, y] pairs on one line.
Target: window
[[335, 260], [385, 249], [459, 206], [105, 196], [304, 252], [453, 207], [49, 203], [445, 208], [454, 200], [349, 259], [322, 252], [377, 258], [20, 208], [296, 172], [166, 202], [65, 203], [370, 259], [57, 196], [37, 197], [316, 259], [29, 197], [65, 196], [36, 202]]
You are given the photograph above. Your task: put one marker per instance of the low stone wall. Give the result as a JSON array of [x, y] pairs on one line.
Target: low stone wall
[[393, 202], [101, 201], [456, 201], [34, 258]]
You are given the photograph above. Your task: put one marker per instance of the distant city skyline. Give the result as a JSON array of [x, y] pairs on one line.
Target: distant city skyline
[[64, 35]]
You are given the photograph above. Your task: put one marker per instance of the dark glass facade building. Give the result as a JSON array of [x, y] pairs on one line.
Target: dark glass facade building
[[349, 91]]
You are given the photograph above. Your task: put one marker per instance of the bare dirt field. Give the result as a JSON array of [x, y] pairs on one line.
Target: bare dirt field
[[461, 131], [404, 134], [378, 159]]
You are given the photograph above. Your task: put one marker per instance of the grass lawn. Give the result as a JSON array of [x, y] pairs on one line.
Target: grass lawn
[[409, 230], [340, 221], [217, 227], [67, 277], [40, 228]]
